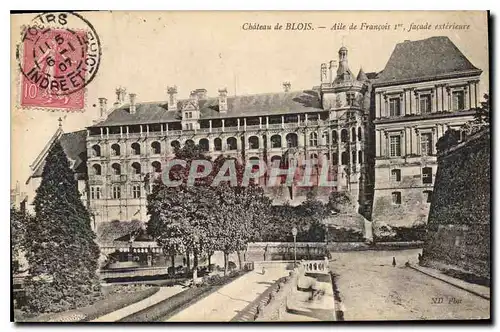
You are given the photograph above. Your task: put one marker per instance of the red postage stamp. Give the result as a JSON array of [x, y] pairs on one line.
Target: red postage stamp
[[57, 60]]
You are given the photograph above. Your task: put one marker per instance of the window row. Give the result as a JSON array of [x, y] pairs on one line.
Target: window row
[[424, 103], [396, 196], [116, 192], [136, 168], [426, 175], [135, 149], [425, 145]]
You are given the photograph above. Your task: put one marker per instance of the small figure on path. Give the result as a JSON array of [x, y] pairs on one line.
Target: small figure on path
[[263, 270], [394, 261], [419, 258]]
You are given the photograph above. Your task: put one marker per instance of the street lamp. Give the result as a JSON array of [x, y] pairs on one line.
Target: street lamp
[[294, 233]]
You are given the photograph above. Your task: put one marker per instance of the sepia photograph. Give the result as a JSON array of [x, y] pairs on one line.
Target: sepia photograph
[[250, 166]]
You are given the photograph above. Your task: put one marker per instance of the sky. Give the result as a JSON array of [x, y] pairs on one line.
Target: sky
[[146, 51]]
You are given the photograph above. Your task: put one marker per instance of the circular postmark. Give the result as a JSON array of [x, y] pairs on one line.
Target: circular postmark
[[59, 53]]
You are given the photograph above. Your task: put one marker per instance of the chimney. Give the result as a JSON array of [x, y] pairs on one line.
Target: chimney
[[223, 100], [323, 73], [132, 103], [120, 96], [287, 86], [333, 65], [172, 98], [103, 107], [201, 93]]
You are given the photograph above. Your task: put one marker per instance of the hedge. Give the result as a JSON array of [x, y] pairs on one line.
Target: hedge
[[169, 307]]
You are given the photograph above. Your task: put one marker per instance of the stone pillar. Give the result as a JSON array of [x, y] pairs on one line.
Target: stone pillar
[[245, 124], [446, 98], [260, 122], [477, 98], [384, 137], [238, 125], [267, 122], [467, 97], [378, 152], [413, 101], [407, 136], [282, 121], [385, 108], [210, 126], [222, 124], [417, 142], [377, 105]]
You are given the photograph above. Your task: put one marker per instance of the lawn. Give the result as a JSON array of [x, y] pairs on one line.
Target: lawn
[[114, 298]]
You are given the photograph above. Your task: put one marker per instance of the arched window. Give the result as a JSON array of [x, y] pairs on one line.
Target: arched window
[[353, 157], [254, 161], [275, 160], [204, 144], [313, 139], [115, 150], [345, 158], [231, 143], [292, 140], [96, 150], [156, 147], [335, 158], [175, 144], [189, 142], [156, 166], [217, 144], [334, 136], [136, 167], [344, 135], [117, 169], [136, 148], [314, 156], [360, 136], [326, 137], [97, 169], [253, 142], [353, 134], [276, 141], [360, 156]]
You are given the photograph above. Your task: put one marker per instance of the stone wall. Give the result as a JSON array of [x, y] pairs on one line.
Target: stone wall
[[458, 234]]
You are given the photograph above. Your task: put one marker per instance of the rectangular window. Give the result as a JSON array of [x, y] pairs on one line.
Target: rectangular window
[[117, 192], [394, 106], [427, 175], [458, 100], [395, 145], [350, 99], [396, 175], [95, 192], [426, 144], [396, 197], [425, 103], [136, 191]]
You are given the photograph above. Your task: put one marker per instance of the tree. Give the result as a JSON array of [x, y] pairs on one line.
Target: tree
[[61, 249], [179, 215], [482, 115], [18, 221]]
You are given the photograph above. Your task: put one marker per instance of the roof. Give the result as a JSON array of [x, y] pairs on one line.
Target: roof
[[75, 147], [426, 58], [246, 105], [107, 232]]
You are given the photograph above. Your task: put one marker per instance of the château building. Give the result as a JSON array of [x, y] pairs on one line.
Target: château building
[[377, 130]]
